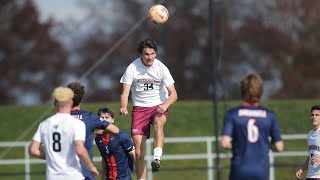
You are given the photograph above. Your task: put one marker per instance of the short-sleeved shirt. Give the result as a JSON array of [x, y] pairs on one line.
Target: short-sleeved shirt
[[313, 151], [114, 150], [250, 128], [92, 122], [148, 84], [58, 134]]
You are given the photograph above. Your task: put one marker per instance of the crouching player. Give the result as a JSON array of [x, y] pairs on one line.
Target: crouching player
[[117, 151]]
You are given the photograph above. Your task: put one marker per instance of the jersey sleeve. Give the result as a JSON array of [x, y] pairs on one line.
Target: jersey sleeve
[[98, 122], [97, 139], [126, 142], [167, 78], [37, 135], [227, 124], [275, 130], [79, 131], [127, 77]]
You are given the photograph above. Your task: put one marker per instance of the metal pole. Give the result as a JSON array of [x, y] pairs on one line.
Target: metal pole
[[214, 84], [27, 162], [210, 159], [271, 162], [149, 159]]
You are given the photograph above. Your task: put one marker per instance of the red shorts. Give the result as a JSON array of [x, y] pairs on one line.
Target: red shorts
[[142, 117]]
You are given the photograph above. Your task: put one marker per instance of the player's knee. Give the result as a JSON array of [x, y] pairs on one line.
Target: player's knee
[[139, 153], [158, 123], [139, 156]]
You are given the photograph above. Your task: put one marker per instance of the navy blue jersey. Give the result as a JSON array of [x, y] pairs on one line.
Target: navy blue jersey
[[250, 128], [114, 150], [92, 122]]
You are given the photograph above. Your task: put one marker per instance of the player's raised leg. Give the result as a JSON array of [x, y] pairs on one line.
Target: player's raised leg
[[158, 142]]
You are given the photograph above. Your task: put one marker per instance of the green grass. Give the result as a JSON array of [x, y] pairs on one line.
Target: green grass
[[186, 118]]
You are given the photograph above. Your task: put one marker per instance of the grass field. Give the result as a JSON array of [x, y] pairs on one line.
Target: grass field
[[186, 118]]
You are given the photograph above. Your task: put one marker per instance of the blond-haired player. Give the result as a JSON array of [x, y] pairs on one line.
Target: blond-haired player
[[63, 138]]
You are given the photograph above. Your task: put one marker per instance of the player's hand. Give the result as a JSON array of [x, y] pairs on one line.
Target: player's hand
[[94, 171], [123, 111], [299, 173], [162, 108], [315, 160]]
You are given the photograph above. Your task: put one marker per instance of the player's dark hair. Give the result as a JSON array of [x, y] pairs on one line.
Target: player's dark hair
[[104, 109], [315, 107], [78, 91], [147, 43], [251, 88]]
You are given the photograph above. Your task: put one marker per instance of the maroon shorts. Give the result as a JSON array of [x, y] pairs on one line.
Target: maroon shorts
[[142, 117], [312, 178]]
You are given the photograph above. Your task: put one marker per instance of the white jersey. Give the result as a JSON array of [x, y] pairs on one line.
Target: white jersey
[[58, 134], [148, 84], [314, 151]]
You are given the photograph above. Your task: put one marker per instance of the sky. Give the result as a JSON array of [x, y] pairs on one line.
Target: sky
[[60, 10]]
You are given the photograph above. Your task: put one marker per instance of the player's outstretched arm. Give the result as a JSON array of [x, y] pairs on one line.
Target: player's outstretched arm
[[173, 96], [124, 99], [172, 99], [303, 168], [278, 146], [113, 129], [84, 156], [36, 150]]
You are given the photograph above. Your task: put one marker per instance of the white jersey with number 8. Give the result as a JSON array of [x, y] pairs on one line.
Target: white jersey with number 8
[[58, 134]]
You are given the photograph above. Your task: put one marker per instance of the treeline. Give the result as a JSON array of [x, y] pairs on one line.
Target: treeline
[[277, 39]]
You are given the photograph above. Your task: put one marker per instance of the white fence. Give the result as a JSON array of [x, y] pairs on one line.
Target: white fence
[[208, 155]]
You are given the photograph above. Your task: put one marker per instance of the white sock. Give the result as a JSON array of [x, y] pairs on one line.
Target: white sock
[[157, 153]]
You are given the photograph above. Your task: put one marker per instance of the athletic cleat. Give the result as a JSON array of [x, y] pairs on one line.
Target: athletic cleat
[[155, 164]]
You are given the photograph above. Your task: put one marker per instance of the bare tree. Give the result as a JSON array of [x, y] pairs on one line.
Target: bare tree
[[30, 59]]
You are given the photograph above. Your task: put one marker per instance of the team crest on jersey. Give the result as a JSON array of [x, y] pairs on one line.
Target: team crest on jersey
[[55, 126]]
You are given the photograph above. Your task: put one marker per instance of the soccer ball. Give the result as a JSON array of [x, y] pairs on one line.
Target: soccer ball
[[158, 14]]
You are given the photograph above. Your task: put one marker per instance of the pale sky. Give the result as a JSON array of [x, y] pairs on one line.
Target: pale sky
[[60, 10]]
